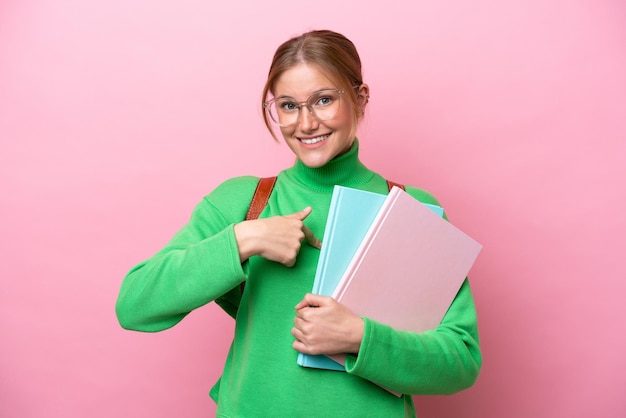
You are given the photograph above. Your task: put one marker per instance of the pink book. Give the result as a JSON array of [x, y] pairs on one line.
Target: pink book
[[408, 268]]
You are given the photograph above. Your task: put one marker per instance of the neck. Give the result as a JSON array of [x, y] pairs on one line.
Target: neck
[[344, 170]]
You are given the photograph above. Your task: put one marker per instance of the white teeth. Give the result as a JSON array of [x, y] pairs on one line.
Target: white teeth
[[314, 140]]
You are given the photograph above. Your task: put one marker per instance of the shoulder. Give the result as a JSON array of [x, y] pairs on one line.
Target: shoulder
[[234, 187], [232, 197]]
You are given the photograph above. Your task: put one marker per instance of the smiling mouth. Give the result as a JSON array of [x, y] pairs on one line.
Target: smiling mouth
[[311, 141]]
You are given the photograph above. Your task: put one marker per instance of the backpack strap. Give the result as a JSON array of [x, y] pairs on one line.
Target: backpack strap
[[259, 200], [260, 197], [390, 184]]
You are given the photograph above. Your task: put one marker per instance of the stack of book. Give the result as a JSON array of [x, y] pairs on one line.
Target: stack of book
[[390, 258]]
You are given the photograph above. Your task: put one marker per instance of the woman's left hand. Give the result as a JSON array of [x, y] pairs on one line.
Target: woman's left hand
[[325, 326]]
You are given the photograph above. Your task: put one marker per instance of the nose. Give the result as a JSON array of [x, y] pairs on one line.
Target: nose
[[308, 122]]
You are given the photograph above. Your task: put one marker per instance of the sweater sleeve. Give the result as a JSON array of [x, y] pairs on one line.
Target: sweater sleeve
[[199, 265], [441, 361]]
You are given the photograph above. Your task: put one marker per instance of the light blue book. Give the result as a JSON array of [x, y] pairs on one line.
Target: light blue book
[[350, 215]]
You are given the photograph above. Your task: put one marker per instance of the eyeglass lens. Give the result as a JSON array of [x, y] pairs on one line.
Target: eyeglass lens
[[324, 105]]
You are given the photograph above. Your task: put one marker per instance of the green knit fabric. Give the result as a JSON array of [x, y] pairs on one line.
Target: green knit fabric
[[261, 377]]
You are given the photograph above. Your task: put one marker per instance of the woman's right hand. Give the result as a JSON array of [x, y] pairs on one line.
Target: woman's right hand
[[277, 238]]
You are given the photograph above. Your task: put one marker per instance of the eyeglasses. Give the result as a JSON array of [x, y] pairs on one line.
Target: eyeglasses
[[323, 105]]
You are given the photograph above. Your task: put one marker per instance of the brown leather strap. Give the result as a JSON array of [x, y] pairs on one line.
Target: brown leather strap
[[390, 184], [260, 197], [259, 200]]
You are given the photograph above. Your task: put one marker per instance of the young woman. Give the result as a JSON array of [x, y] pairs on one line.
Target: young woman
[[315, 96]]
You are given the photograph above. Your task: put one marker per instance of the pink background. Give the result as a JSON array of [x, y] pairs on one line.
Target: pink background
[[117, 117]]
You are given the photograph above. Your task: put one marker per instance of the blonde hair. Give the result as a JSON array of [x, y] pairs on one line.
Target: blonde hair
[[332, 52]]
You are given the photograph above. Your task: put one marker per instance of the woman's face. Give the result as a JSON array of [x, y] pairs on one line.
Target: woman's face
[[315, 142]]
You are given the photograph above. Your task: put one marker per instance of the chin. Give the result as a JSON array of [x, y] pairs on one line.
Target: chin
[[313, 159], [313, 163]]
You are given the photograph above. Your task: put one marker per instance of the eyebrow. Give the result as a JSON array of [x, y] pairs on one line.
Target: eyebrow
[[315, 92]]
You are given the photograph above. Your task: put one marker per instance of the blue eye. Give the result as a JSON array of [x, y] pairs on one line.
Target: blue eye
[[324, 101], [288, 106]]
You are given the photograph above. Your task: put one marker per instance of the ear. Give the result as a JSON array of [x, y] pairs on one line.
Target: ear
[[362, 97]]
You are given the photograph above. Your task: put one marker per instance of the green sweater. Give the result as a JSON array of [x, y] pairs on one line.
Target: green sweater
[[261, 377]]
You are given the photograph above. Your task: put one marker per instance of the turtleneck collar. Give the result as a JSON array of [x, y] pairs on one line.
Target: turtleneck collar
[[344, 170]]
